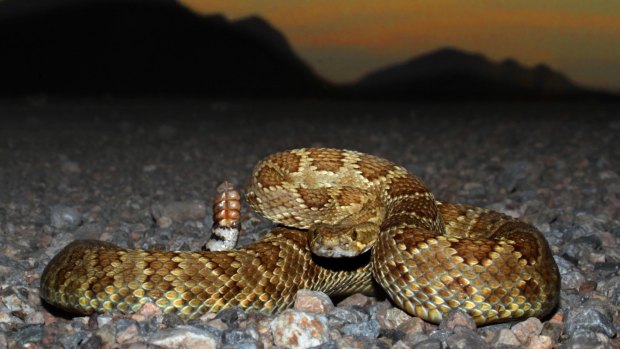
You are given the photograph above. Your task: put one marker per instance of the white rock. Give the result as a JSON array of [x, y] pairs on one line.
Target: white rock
[[297, 329], [185, 337]]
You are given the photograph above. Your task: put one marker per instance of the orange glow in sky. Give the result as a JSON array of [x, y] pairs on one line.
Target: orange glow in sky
[[344, 40]]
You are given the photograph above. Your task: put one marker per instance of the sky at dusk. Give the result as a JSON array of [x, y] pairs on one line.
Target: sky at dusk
[[345, 39]]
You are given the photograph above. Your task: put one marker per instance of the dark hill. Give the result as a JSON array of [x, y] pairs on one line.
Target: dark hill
[[144, 47], [454, 74]]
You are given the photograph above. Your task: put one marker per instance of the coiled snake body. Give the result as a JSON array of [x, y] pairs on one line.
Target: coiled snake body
[[430, 257]]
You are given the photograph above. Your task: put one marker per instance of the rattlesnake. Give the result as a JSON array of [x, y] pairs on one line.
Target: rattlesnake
[[429, 256]]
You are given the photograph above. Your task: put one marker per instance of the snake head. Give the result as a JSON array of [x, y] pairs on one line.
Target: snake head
[[342, 241]]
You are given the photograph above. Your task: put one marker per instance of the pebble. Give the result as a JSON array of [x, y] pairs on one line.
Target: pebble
[[391, 318], [238, 337], [107, 335], [611, 289], [95, 342], [415, 338], [597, 258], [28, 334], [231, 316], [149, 168], [186, 337], [295, 329], [505, 339], [587, 287], [127, 331], [441, 336], [412, 329], [346, 315], [401, 345], [429, 344], [586, 340], [180, 211], [456, 318], [265, 336], [571, 277], [6, 317], [590, 318], [465, 338], [70, 167], [539, 342], [369, 328], [313, 302], [356, 299], [553, 330], [377, 307], [525, 329], [514, 172], [354, 342], [217, 323], [64, 217], [164, 222], [35, 318], [393, 335], [581, 248]]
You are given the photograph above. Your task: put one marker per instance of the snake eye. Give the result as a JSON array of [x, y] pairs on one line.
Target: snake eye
[[354, 235]]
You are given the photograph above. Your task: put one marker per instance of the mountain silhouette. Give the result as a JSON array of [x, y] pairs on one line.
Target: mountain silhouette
[[159, 47], [145, 47], [450, 73]]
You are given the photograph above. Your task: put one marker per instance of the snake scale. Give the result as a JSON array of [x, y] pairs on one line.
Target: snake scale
[[429, 256]]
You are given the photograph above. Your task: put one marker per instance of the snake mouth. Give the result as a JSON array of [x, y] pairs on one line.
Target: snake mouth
[[337, 248], [334, 252], [342, 249], [342, 264]]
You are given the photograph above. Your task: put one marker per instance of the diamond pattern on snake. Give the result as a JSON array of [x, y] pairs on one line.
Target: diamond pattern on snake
[[429, 256]]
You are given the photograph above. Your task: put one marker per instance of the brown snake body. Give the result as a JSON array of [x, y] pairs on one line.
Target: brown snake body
[[430, 257]]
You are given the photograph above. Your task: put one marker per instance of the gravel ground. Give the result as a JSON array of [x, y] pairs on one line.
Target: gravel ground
[[107, 170]]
